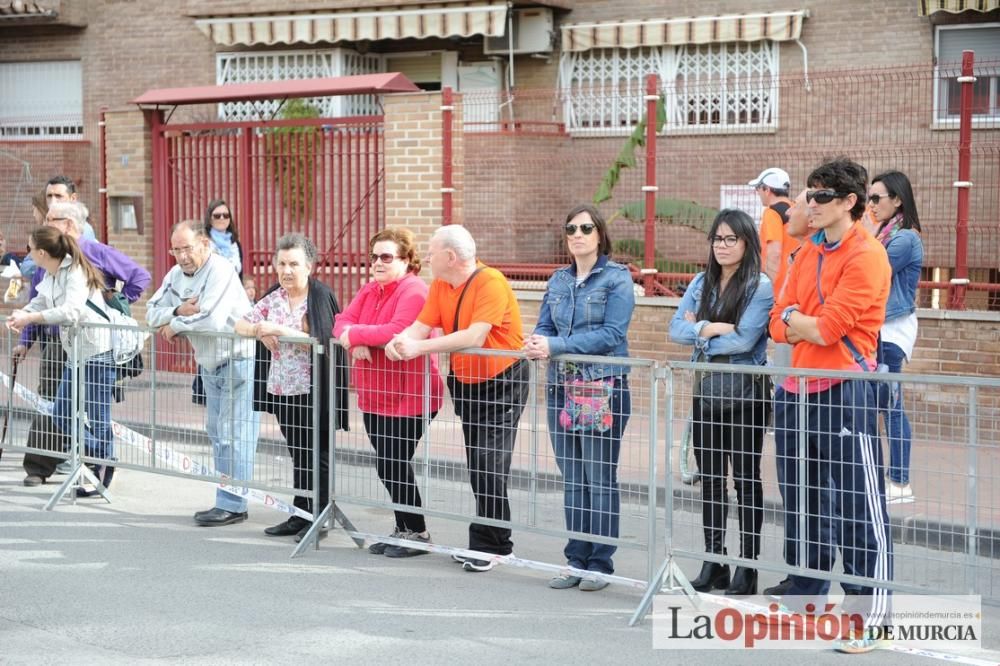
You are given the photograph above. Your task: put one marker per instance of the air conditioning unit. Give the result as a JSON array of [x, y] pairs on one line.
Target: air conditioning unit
[[533, 31]]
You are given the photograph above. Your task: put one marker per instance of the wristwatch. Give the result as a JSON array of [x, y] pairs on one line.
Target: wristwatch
[[787, 314]]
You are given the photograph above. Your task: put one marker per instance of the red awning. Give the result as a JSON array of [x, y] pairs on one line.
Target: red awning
[[364, 84]]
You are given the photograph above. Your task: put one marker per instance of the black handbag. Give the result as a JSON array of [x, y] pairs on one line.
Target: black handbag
[[719, 394]]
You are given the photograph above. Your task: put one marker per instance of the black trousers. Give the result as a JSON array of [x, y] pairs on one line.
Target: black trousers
[[490, 411], [295, 418], [739, 441], [395, 439], [43, 433]]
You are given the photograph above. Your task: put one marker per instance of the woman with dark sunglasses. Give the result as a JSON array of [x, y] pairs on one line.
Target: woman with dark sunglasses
[[724, 315], [890, 200], [586, 310], [220, 226], [391, 393]]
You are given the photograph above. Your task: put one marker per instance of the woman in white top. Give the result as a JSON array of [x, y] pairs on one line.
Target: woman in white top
[[70, 294]]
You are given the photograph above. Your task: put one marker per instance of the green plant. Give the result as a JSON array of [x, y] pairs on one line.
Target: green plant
[[626, 156], [291, 150], [635, 249], [673, 211]]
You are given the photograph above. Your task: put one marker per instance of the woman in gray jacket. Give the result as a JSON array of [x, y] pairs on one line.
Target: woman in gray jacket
[[70, 294]]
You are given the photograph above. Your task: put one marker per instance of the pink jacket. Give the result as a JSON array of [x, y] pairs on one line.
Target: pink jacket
[[388, 388]]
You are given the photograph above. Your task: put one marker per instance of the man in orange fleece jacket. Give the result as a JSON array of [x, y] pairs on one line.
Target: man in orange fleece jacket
[[831, 310]]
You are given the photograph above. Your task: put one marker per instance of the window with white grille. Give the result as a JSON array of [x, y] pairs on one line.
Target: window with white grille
[[41, 101], [984, 41], [252, 67], [709, 88]]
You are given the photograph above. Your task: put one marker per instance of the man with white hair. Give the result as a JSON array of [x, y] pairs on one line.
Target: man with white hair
[[69, 217], [475, 307]]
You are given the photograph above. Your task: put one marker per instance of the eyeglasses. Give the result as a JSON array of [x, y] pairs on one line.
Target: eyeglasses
[[385, 258], [181, 251], [586, 228], [221, 216], [57, 219], [728, 241], [876, 198], [824, 196]]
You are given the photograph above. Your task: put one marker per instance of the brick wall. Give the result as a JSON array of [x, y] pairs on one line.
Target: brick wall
[[413, 163], [130, 175]]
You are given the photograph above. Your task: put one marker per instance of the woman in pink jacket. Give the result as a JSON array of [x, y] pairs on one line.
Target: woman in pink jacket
[[391, 393]]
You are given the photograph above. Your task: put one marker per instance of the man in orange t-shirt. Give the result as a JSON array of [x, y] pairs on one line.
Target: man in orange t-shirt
[[475, 307], [831, 310], [772, 187]]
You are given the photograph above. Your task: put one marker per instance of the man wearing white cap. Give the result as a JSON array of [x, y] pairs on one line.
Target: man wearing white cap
[[776, 245]]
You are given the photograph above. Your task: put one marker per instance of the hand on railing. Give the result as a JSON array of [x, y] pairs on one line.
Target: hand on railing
[[18, 353], [536, 346], [402, 348], [361, 353]]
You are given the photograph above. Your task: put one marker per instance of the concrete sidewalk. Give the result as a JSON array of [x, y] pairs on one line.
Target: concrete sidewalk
[[136, 581]]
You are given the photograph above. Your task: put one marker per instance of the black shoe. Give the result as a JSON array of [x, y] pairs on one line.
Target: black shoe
[[379, 547], [198, 515], [744, 582], [104, 473], [301, 534], [291, 526], [779, 590], [403, 551], [713, 576], [218, 517]]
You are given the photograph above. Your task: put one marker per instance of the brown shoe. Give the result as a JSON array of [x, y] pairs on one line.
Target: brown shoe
[[33, 480]]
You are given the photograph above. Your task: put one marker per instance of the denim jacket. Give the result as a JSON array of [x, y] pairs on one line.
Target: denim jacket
[[745, 346], [590, 319], [906, 256]]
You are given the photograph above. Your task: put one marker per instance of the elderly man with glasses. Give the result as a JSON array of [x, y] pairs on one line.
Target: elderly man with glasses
[[203, 295]]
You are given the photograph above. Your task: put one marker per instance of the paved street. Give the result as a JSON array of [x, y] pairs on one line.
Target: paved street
[[136, 581]]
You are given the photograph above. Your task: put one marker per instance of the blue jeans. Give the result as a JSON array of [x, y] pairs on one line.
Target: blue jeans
[[98, 376], [897, 425], [230, 423], [588, 461]]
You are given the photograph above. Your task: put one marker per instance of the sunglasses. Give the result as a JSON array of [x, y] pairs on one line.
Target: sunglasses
[[586, 228], [385, 258], [824, 196], [876, 198], [221, 216]]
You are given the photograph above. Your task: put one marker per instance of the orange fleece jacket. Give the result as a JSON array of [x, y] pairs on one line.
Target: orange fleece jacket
[[855, 280]]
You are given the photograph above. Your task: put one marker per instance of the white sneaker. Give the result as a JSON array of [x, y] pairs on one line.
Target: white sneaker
[[898, 494]]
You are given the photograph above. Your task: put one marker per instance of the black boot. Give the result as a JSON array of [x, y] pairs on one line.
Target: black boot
[[713, 576], [744, 582]]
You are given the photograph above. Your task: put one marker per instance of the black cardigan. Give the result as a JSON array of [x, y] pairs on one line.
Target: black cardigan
[[322, 308]]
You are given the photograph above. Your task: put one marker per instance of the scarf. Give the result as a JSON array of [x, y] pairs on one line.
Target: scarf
[[889, 229], [224, 245]]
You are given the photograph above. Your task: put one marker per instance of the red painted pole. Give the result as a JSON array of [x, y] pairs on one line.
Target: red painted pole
[[961, 278], [447, 186], [245, 180], [649, 261], [161, 223]]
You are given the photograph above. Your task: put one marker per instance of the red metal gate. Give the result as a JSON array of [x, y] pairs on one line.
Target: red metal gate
[[321, 177]]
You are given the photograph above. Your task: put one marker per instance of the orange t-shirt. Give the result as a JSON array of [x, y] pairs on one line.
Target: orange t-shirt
[[772, 230], [489, 299]]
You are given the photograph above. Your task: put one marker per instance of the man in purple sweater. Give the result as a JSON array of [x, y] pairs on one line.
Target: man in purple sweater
[[69, 218]]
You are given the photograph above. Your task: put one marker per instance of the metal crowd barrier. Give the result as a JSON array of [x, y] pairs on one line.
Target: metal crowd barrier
[[158, 423], [944, 539], [534, 484]]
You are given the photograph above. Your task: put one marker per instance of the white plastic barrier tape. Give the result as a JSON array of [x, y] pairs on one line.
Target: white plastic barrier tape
[[164, 454]]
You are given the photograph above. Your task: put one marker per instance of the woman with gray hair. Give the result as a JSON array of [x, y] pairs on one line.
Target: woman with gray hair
[[298, 306]]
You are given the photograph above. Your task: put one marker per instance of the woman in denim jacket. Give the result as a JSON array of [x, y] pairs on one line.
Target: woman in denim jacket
[[586, 310], [890, 199], [724, 315]]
